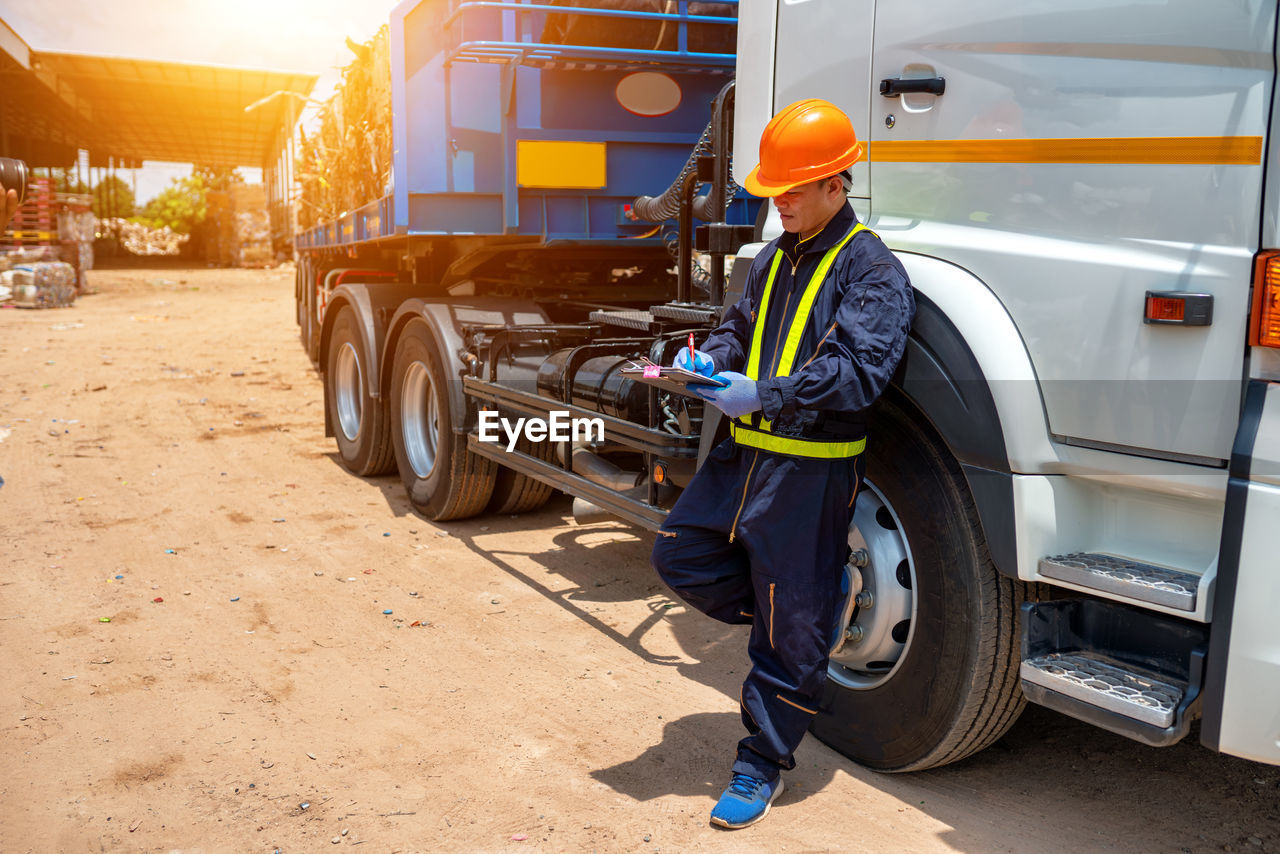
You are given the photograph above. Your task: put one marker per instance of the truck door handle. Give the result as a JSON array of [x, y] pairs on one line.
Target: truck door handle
[[895, 86]]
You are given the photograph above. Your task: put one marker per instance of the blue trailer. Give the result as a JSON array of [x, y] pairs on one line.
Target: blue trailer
[[537, 238]]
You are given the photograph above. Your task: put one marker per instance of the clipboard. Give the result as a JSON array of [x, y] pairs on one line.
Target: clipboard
[[675, 380]]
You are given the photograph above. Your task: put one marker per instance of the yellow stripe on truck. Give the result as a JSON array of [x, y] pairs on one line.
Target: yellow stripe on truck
[[560, 165], [1189, 150]]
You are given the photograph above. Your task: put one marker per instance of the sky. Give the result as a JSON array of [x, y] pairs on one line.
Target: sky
[[286, 35]]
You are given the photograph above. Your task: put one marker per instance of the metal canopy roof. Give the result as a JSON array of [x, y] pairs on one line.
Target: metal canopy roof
[[147, 110], [137, 109]]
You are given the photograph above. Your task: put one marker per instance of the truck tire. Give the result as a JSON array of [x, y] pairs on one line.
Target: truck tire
[[360, 421], [514, 492], [303, 305], [444, 480], [934, 677]]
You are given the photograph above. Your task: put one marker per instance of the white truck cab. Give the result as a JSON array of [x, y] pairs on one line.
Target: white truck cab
[[1076, 477]]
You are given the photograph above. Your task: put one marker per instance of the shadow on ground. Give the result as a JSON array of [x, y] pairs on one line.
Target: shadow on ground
[[1051, 784]]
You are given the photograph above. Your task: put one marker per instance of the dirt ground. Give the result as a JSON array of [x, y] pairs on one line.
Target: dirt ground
[[198, 654]]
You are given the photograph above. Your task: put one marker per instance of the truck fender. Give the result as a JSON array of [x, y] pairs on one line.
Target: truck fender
[[968, 329], [446, 317], [966, 369], [372, 304]]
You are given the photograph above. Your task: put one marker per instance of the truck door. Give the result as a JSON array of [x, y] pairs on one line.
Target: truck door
[[810, 34], [1075, 157]]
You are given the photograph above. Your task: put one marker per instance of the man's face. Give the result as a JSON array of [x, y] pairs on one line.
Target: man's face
[[807, 208]]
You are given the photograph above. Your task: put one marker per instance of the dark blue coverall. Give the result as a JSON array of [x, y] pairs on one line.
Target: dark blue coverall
[[761, 536]]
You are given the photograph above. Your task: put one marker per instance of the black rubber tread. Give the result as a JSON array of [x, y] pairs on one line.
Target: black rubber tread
[[996, 698], [303, 308], [514, 492], [371, 452], [475, 476], [461, 488], [986, 699]]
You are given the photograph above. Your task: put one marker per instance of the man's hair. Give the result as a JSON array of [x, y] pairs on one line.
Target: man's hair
[[846, 180]]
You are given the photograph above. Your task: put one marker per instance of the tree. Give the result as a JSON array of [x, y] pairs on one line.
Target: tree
[[218, 177], [66, 184], [112, 197], [180, 206]]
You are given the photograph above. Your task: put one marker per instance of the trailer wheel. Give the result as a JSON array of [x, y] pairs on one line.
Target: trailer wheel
[[309, 322], [444, 479], [360, 421], [514, 492], [933, 675], [297, 291], [301, 303]]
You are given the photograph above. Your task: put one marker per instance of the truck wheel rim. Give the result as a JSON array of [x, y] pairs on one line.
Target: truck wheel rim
[[890, 577], [419, 420], [347, 385]]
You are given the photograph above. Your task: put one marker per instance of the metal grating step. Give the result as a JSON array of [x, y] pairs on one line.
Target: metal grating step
[[1142, 582], [687, 312], [629, 319], [1107, 684]]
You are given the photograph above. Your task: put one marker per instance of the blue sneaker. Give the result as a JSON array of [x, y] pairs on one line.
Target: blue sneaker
[[850, 587], [745, 802]]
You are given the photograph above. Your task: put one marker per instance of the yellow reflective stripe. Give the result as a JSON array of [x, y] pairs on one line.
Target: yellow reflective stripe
[[761, 437], [801, 317], [1180, 150], [757, 336], [795, 447]]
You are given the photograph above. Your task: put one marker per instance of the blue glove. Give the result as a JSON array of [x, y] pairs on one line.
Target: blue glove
[[737, 398], [702, 363]]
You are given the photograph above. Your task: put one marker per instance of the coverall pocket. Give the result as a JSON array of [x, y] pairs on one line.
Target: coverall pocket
[[796, 619]]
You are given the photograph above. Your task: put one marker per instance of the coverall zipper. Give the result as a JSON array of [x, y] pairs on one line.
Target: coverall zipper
[[786, 303], [773, 360], [773, 366], [772, 585], [743, 503]]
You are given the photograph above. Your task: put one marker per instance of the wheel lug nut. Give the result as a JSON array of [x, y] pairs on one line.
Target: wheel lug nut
[[853, 634], [860, 558], [864, 599]]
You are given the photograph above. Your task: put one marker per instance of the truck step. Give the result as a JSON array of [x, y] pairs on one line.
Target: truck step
[[642, 321], [1140, 582], [1108, 684], [1119, 666], [687, 312]]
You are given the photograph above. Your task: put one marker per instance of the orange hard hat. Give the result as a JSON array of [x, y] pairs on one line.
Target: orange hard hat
[[807, 141]]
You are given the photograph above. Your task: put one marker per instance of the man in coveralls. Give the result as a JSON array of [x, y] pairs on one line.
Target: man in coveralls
[[760, 535]]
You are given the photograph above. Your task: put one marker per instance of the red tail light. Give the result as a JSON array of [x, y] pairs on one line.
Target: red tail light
[[1264, 321]]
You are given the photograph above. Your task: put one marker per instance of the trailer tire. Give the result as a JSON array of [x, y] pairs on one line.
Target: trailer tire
[[360, 421], [443, 478], [297, 291], [307, 314], [300, 302], [955, 688], [514, 492]]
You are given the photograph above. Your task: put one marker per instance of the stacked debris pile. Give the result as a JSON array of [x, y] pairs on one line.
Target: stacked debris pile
[[76, 226], [240, 235], [346, 162], [11, 257], [139, 239], [43, 284]]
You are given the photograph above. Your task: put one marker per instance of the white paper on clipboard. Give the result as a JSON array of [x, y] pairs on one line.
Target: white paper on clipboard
[[671, 379]]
